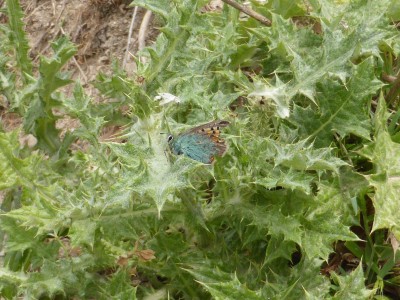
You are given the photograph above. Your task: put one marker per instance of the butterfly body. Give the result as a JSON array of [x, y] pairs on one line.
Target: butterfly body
[[201, 143]]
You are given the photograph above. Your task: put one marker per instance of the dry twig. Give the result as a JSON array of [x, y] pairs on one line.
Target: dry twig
[[388, 78], [128, 43], [248, 11], [142, 31], [393, 92]]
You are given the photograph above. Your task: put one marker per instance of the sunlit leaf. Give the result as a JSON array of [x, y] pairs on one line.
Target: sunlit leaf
[[384, 153]]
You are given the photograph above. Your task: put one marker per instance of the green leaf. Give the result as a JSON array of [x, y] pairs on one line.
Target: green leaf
[[286, 8], [394, 10], [161, 8], [15, 171], [40, 97], [384, 153], [80, 107], [20, 239], [284, 165], [341, 108], [222, 285], [302, 282], [12, 277], [312, 222], [82, 232], [299, 156], [41, 216], [45, 282], [18, 38], [259, 222], [147, 170], [352, 285], [328, 221], [119, 287], [276, 93], [164, 53], [315, 59]]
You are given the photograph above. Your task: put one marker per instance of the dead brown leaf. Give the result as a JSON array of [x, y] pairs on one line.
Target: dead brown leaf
[[122, 261], [67, 250], [145, 255], [394, 242]]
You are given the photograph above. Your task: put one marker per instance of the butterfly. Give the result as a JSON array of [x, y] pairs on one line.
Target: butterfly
[[200, 143]]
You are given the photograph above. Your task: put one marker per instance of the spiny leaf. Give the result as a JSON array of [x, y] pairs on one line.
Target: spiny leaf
[[148, 171], [15, 171], [384, 154], [299, 156], [286, 8], [329, 220], [12, 277], [18, 38], [119, 287], [283, 165], [342, 108], [222, 285], [352, 285], [40, 99], [303, 281], [310, 64]]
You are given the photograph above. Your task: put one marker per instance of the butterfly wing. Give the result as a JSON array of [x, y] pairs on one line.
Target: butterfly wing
[[197, 147], [211, 128], [202, 143]]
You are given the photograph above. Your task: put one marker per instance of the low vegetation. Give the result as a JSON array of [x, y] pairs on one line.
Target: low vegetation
[[305, 204]]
